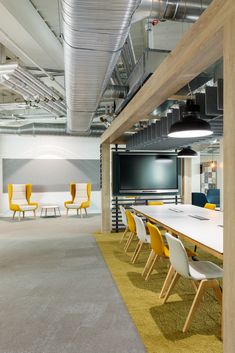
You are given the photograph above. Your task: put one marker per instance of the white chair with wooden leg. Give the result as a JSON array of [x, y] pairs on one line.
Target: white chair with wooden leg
[[142, 235], [124, 221], [204, 273]]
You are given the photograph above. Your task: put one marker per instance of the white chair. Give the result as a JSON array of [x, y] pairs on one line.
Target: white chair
[[204, 274], [142, 235], [124, 221]]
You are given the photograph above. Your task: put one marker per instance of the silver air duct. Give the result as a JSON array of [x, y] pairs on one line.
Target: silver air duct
[[94, 34], [115, 91], [174, 10], [46, 129]]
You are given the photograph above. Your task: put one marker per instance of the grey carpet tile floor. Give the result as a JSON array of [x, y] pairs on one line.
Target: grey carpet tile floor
[[56, 293]]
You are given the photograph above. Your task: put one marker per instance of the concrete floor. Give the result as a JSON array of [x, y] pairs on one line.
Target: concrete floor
[[56, 293]]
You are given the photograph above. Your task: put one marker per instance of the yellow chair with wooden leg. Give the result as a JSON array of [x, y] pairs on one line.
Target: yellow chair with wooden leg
[[159, 249], [131, 227], [81, 197], [210, 206], [19, 199]]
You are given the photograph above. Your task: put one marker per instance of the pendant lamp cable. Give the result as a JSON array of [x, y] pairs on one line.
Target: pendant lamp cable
[[190, 91]]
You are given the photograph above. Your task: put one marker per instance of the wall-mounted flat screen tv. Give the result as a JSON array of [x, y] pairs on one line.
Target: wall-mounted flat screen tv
[[145, 173]]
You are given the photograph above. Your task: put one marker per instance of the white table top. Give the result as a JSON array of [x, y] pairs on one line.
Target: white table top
[[207, 233], [49, 206]]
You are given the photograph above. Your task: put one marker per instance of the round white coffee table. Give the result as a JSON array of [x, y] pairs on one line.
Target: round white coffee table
[[45, 208]]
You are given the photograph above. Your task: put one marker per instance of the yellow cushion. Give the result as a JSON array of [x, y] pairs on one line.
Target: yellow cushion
[[155, 203], [210, 206]]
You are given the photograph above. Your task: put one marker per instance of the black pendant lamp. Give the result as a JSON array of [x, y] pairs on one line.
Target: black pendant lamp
[[187, 152], [190, 125]]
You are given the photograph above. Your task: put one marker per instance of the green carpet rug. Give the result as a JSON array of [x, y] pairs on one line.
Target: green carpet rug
[[160, 326]]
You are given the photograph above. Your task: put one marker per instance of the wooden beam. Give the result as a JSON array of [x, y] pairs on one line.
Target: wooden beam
[[200, 47], [177, 97], [229, 186], [105, 190], [187, 180]]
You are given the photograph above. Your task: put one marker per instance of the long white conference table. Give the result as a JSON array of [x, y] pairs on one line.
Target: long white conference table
[[200, 226]]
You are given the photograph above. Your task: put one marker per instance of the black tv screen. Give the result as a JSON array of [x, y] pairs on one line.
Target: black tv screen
[[135, 173]]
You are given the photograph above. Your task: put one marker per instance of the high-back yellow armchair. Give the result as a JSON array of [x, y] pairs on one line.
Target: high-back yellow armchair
[[81, 197], [19, 199]]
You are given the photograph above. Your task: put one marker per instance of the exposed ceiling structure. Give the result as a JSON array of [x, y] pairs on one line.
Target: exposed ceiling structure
[[94, 60]]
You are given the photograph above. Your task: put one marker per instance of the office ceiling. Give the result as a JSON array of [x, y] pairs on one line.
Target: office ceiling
[[31, 33], [50, 12]]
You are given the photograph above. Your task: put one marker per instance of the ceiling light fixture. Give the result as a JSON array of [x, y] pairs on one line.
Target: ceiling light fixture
[[187, 152], [190, 125], [163, 158]]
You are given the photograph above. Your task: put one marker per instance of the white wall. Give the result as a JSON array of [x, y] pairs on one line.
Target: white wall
[[49, 147]]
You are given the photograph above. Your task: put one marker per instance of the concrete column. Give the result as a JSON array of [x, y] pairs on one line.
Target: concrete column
[[229, 186], [105, 191]]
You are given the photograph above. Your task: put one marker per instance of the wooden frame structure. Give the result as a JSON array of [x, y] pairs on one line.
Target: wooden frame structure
[[210, 38]]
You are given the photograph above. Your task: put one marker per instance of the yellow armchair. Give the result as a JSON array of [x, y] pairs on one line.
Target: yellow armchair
[[19, 199], [81, 197]]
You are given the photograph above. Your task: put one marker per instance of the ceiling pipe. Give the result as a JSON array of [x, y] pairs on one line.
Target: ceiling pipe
[[115, 91], [176, 10], [94, 35], [34, 91], [47, 129]]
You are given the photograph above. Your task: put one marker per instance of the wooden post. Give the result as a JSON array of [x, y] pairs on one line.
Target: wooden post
[[187, 181], [229, 185], [105, 191], [220, 174]]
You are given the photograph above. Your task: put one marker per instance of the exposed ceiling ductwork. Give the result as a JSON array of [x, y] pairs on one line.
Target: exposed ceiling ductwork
[[34, 91], [94, 34], [116, 91], [176, 10], [36, 128]]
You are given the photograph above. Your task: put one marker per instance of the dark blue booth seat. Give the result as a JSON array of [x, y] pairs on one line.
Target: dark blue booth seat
[[213, 196], [199, 199]]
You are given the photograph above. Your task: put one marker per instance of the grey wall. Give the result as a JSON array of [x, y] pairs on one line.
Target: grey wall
[[48, 175]]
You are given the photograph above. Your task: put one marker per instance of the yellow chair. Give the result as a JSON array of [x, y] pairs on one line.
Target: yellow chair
[[81, 197], [210, 206], [155, 203], [19, 199], [131, 227], [159, 249]]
